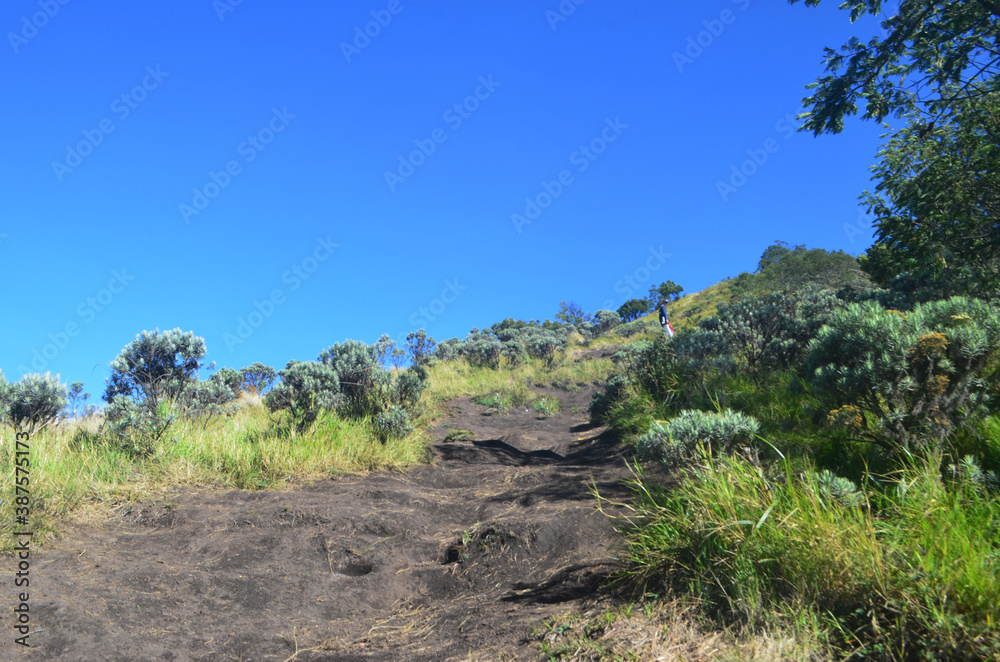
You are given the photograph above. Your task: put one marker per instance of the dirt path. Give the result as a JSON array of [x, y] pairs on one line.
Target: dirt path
[[451, 561]]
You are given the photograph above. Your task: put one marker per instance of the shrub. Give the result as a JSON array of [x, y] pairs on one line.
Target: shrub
[[678, 440], [393, 423], [4, 398], [604, 321], [913, 378], [759, 334], [543, 346], [833, 487], [420, 347], [155, 369], [616, 389], [547, 406], [209, 398], [482, 350], [133, 429], [409, 386], [306, 388], [448, 350], [364, 382], [515, 353], [32, 403], [632, 328]]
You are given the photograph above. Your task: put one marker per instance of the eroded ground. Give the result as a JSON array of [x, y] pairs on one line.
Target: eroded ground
[[457, 560]]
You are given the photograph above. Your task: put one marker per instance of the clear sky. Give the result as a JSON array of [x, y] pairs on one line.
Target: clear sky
[[280, 177]]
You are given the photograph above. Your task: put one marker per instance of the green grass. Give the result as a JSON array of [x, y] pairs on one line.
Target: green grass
[[456, 379], [687, 311], [547, 406], [250, 450], [906, 574]]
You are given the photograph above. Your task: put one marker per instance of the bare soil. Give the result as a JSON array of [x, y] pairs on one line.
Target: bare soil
[[456, 560]]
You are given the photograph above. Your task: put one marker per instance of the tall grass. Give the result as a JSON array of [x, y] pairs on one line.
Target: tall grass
[[912, 571], [449, 380], [250, 450]]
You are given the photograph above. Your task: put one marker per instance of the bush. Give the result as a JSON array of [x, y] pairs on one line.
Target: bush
[[482, 350], [409, 386], [515, 353], [132, 428], [306, 388], [154, 370], [32, 403], [759, 334], [633, 328], [209, 398], [448, 350], [678, 440], [906, 381], [616, 389], [420, 347], [364, 382], [393, 423], [604, 321]]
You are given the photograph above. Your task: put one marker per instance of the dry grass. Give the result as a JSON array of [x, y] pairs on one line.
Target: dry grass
[[664, 632]]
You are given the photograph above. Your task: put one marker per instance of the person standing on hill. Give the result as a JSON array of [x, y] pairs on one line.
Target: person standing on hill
[[665, 318]]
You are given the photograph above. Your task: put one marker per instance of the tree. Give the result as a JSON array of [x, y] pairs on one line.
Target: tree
[[668, 291], [257, 378], [32, 403], [775, 253], [155, 368], [937, 205], [571, 313], [633, 309], [801, 268], [937, 53]]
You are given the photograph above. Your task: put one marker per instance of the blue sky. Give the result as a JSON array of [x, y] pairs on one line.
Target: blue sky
[[275, 179]]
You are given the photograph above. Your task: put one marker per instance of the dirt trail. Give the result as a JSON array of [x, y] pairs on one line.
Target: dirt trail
[[456, 560]]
